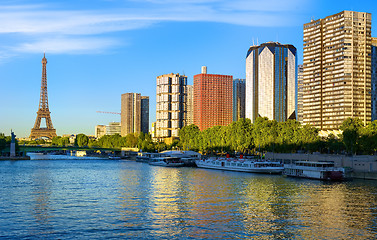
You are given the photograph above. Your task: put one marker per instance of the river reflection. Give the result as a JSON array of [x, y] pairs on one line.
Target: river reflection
[[122, 199]]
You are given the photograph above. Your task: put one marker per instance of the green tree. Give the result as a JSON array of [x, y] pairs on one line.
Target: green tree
[[264, 133], [81, 140], [188, 137], [240, 135], [368, 139], [131, 140], [55, 141], [351, 128], [308, 136], [3, 142]]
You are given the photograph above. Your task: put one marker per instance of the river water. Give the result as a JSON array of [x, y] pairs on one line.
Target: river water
[[108, 199]]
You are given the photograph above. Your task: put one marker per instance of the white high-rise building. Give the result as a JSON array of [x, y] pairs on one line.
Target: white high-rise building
[[171, 105], [337, 69], [271, 81]]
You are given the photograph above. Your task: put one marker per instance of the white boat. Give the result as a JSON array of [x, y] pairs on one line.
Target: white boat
[[241, 165], [314, 170], [166, 162], [145, 156], [114, 158]]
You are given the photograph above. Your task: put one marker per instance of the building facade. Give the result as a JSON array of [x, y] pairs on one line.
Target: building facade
[[213, 103], [190, 105], [134, 113], [337, 69], [100, 131], [239, 87], [299, 94], [171, 105], [113, 128], [144, 114], [271, 81], [374, 79]]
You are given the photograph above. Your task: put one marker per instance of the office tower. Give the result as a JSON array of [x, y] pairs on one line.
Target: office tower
[[374, 79], [337, 74], [239, 86], [171, 105], [212, 99], [100, 131], [299, 93], [144, 114], [134, 113], [271, 81], [113, 128], [130, 113], [190, 105]]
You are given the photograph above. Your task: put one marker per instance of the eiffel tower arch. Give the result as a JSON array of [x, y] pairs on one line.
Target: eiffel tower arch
[[43, 111]]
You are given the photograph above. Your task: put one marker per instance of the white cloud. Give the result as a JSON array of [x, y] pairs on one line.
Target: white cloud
[[84, 31], [67, 45]]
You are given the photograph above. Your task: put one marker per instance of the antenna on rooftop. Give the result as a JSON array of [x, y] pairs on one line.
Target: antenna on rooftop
[[253, 42]]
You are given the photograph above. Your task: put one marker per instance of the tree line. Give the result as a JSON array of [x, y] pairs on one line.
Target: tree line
[[284, 137], [132, 140], [244, 137]]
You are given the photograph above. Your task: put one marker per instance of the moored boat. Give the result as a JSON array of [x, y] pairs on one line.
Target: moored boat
[[314, 170], [166, 162], [146, 156], [241, 165]]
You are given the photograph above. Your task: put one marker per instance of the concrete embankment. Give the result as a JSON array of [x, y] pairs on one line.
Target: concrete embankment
[[360, 166]]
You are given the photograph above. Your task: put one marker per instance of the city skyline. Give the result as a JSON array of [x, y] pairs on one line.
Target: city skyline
[[99, 52]]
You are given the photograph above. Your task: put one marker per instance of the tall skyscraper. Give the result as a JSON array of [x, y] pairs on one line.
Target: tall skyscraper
[[190, 105], [134, 113], [239, 86], [374, 79], [144, 114], [299, 93], [337, 74], [271, 81], [171, 105], [212, 99]]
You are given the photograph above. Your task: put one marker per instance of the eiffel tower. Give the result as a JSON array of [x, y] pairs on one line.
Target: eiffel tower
[[43, 111]]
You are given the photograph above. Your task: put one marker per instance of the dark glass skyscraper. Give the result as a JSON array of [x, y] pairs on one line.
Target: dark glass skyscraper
[[239, 86]]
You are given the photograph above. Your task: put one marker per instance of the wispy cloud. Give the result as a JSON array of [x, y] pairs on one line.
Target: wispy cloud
[[36, 28]]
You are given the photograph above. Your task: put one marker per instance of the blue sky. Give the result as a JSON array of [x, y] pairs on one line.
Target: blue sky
[[99, 49]]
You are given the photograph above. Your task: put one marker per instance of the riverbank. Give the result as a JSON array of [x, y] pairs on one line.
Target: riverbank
[[14, 158], [359, 166]]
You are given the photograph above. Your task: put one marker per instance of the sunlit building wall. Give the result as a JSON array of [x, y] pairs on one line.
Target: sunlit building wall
[[134, 113], [100, 131], [113, 128], [299, 94], [171, 105], [130, 113], [213, 102], [374, 79], [271, 81], [190, 105], [337, 69]]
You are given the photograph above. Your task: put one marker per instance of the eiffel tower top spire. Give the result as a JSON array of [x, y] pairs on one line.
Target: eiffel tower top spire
[[43, 104]]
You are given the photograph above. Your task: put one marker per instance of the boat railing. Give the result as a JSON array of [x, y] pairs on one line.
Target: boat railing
[[328, 168]]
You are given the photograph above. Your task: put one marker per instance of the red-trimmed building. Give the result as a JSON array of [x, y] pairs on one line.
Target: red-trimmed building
[[213, 100]]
